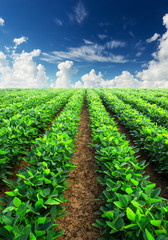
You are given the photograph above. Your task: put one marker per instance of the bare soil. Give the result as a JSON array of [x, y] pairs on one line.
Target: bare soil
[[4, 188], [83, 188], [160, 180]]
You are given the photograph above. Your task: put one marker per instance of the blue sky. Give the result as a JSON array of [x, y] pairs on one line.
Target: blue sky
[[62, 42]]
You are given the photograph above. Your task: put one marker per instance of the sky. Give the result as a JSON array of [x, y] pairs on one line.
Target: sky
[[83, 43]]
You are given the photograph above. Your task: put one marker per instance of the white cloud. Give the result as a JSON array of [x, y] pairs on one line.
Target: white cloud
[[153, 38], [92, 80], [115, 44], [131, 34], [139, 54], [2, 21], [125, 80], [58, 22], [165, 20], [156, 75], [63, 75], [23, 72], [87, 42], [89, 52], [79, 14], [102, 36], [19, 41]]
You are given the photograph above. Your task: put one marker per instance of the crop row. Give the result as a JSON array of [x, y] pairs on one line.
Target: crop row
[[9, 96], [132, 210], [35, 203], [31, 102], [151, 98], [156, 113], [147, 135], [159, 92], [23, 128]]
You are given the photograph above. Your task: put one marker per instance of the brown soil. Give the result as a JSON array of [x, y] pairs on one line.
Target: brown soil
[[160, 180], [83, 189], [4, 188]]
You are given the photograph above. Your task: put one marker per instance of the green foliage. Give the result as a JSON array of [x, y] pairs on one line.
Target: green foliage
[[19, 131], [148, 135], [132, 209], [36, 199]]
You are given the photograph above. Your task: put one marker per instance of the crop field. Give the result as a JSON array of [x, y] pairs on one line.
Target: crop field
[[84, 164]]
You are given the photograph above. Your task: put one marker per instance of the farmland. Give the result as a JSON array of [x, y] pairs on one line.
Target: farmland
[[99, 154]]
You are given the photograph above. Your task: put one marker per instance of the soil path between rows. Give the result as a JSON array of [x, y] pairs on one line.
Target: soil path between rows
[[83, 188], [160, 180]]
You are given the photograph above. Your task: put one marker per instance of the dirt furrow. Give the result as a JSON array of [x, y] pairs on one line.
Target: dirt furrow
[[83, 188], [160, 180]]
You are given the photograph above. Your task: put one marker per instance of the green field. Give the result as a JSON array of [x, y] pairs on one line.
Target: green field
[[39, 129]]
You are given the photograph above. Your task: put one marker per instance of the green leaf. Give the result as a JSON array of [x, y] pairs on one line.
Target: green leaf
[[45, 192], [110, 224], [8, 209], [52, 202], [152, 185], [47, 181], [32, 236], [12, 194], [9, 228], [110, 183], [46, 171], [39, 204], [16, 202], [123, 199], [130, 226], [128, 177], [21, 237], [129, 190], [2, 152], [59, 233], [54, 211], [130, 214], [41, 220], [134, 182], [21, 176], [2, 160], [39, 233], [46, 226], [155, 192], [119, 223], [156, 223], [110, 215], [7, 219], [149, 235], [118, 204]]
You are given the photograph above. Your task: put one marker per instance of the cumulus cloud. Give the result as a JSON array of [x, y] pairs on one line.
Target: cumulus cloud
[[153, 38], [23, 72], [125, 80], [93, 80], [19, 41], [90, 80], [2, 21], [63, 75], [156, 75]]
